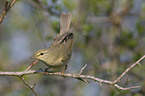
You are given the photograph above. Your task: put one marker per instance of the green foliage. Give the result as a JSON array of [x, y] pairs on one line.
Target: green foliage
[[119, 93], [86, 29], [99, 45], [55, 26], [44, 2], [98, 7], [126, 40], [140, 28], [70, 4]]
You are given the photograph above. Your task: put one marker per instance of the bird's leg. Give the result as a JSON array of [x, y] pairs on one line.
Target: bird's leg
[[65, 67]]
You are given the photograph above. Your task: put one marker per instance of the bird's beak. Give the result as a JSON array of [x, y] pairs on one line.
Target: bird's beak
[[33, 57]]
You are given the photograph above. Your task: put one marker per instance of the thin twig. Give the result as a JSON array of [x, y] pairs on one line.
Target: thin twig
[[83, 68], [26, 83], [128, 69], [13, 2], [121, 88], [4, 12], [6, 9], [32, 65], [81, 72]]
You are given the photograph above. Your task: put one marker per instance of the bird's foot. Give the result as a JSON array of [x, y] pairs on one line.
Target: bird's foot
[[46, 69]]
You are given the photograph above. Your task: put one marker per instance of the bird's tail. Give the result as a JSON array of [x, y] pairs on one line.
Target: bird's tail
[[65, 22]]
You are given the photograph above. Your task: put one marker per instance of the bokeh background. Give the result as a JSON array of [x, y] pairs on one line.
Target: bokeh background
[[109, 37]]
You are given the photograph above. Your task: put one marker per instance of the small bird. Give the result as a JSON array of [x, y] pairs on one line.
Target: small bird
[[59, 52]]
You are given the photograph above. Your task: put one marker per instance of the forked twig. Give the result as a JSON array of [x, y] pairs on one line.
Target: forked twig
[[26, 83]]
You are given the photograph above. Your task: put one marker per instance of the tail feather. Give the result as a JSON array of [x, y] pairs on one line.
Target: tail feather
[[65, 22]]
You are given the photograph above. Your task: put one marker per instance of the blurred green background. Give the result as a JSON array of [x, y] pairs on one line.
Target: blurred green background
[[109, 37]]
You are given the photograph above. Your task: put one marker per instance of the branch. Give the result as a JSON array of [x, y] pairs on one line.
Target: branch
[[26, 83], [64, 75], [76, 76], [129, 68], [32, 65], [83, 68], [6, 9]]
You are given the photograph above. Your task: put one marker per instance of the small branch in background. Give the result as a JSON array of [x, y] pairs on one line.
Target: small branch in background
[[26, 83], [4, 12], [13, 2], [6, 9]]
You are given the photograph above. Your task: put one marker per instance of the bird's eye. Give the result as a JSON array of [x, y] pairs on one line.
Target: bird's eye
[[41, 53]]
